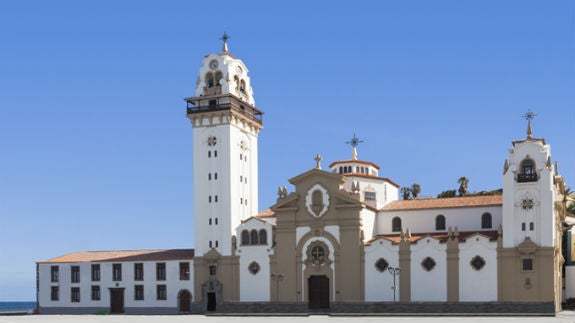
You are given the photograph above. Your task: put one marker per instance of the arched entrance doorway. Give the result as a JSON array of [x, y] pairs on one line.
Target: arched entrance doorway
[[318, 291], [184, 301]]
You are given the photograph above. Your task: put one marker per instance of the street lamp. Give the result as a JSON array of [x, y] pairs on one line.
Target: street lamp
[[277, 279], [395, 272]]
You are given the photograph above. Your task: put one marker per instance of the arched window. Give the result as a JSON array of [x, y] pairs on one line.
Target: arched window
[[219, 76], [237, 80], [254, 237], [440, 222], [527, 171], [245, 237], [486, 221], [242, 86], [340, 169], [209, 80], [263, 236], [396, 224]]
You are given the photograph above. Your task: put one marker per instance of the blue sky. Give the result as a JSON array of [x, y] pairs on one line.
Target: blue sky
[[96, 150]]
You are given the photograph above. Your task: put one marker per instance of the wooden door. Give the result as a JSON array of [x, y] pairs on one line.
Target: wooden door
[[116, 300], [211, 302], [185, 300], [318, 287]]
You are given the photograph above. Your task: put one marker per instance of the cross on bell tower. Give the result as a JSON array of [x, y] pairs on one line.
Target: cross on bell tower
[[529, 116], [354, 142]]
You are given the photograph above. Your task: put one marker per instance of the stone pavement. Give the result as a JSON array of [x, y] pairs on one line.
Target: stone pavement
[[562, 317]]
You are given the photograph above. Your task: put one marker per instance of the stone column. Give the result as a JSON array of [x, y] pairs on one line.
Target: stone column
[[453, 266], [405, 266]]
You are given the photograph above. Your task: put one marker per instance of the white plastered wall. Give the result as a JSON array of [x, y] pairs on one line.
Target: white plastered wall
[[478, 285], [378, 285], [255, 287], [430, 286]]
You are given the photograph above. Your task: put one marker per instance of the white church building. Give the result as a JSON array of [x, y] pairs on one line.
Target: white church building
[[331, 240]]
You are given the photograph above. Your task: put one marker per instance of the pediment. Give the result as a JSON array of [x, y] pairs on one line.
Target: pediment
[[527, 247], [288, 203], [212, 255]]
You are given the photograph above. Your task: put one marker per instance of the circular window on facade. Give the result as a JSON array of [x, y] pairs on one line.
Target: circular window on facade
[[254, 268], [381, 265], [477, 263], [428, 264], [212, 141]]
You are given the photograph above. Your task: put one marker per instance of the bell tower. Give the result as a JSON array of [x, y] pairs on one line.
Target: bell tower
[[528, 192], [225, 125]]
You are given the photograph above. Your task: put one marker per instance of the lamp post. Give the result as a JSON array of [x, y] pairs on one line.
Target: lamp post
[[277, 278], [395, 272]]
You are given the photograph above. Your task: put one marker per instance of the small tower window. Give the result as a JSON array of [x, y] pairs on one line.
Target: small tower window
[[245, 237], [523, 226], [216, 199], [440, 222], [216, 221], [215, 153], [486, 221], [209, 80], [531, 226], [219, 76], [209, 153], [215, 175], [396, 224], [527, 171], [242, 87], [263, 237], [254, 237], [209, 176], [210, 221]]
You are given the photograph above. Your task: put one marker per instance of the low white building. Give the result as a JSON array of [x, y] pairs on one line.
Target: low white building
[[134, 282]]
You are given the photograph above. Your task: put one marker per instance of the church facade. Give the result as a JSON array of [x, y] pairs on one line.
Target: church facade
[[340, 241]]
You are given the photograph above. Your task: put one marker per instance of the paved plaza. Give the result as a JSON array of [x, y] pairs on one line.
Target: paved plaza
[[563, 317]]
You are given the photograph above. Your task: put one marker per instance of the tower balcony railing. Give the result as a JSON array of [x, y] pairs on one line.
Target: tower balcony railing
[[523, 178], [248, 112]]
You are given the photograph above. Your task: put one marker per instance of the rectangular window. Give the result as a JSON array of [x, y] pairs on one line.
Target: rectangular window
[[215, 153], [212, 270], [95, 273], [54, 274], [75, 295], [55, 293], [523, 226], [216, 199], [531, 226], [75, 274], [139, 271], [117, 272], [370, 196], [139, 292], [95, 293], [161, 271], [161, 292], [527, 264], [184, 271]]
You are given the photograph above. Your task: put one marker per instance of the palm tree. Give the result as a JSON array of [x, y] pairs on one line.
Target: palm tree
[[406, 193], [415, 189], [463, 181]]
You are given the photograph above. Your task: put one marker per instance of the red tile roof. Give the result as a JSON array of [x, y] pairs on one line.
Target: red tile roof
[[441, 236], [442, 203], [124, 255], [266, 214]]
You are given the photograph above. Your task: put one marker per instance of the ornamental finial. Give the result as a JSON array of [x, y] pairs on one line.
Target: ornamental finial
[[225, 38], [354, 142], [529, 116], [318, 161]]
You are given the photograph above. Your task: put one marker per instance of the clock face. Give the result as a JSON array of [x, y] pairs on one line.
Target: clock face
[[214, 64]]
